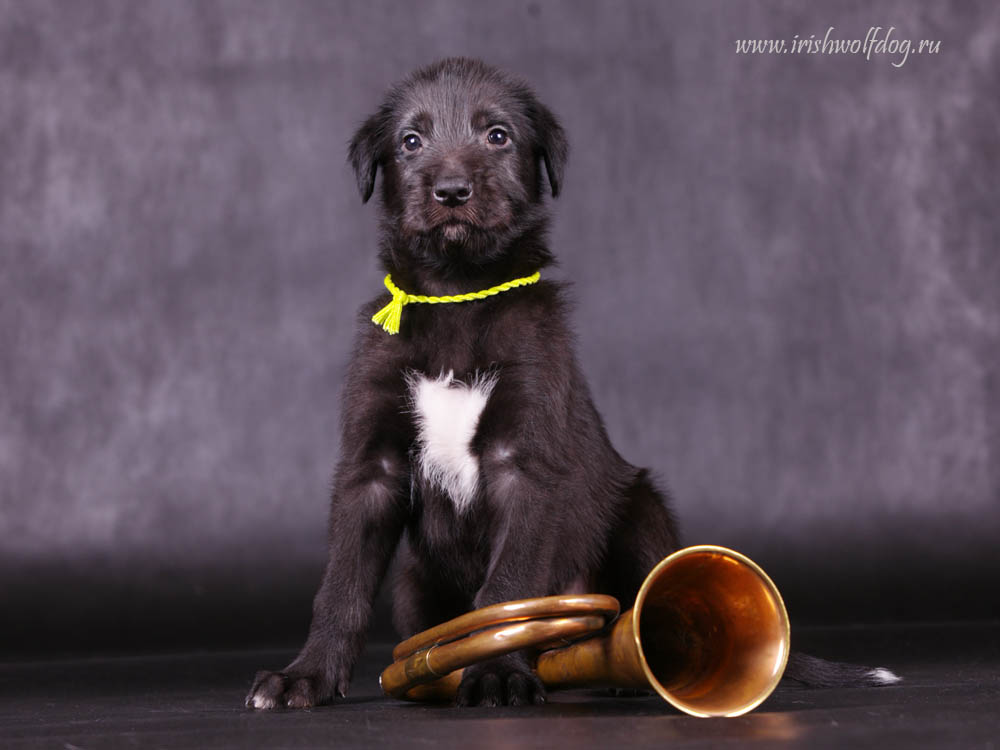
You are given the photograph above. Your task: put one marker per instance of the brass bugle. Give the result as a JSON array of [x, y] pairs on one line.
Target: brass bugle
[[708, 633]]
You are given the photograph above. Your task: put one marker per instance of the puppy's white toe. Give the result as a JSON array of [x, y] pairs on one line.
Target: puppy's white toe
[[262, 702]]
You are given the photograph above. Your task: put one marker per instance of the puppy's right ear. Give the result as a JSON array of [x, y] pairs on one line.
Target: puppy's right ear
[[365, 152]]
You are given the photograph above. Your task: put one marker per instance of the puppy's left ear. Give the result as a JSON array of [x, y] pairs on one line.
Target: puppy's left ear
[[552, 145], [364, 152]]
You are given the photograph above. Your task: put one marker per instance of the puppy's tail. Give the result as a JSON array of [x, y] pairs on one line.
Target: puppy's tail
[[813, 672]]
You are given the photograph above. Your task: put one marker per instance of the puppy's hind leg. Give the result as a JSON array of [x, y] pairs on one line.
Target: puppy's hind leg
[[421, 600], [646, 533]]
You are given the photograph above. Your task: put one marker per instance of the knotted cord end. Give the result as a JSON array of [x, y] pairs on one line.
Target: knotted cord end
[[388, 317]]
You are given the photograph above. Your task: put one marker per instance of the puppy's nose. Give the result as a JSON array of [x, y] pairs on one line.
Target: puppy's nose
[[452, 191]]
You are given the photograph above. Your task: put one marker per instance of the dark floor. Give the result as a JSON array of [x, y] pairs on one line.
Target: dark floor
[[950, 698]]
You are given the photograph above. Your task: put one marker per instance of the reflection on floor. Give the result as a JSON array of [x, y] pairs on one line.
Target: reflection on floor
[[950, 697]]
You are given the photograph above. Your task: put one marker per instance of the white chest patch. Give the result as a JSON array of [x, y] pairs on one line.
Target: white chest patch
[[447, 413]]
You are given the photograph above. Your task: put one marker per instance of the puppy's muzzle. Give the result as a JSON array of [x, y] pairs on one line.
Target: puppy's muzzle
[[452, 191]]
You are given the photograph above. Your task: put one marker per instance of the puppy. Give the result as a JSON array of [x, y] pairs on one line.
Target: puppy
[[471, 448]]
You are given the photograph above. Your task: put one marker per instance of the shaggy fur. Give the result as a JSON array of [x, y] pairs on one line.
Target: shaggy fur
[[522, 494]]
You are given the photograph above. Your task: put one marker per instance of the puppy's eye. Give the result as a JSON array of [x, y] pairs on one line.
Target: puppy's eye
[[497, 137], [411, 142]]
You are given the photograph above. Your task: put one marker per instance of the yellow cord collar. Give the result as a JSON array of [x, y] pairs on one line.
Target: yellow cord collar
[[388, 317]]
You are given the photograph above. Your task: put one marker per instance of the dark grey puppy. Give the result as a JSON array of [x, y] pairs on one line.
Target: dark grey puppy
[[471, 447]]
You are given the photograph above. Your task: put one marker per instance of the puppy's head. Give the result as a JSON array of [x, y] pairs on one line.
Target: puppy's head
[[462, 147]]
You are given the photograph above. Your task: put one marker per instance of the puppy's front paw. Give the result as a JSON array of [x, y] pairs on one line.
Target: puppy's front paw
[[290, 690], [500, 682]]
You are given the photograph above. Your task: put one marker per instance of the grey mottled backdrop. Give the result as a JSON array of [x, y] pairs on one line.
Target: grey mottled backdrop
[[788, 271]]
